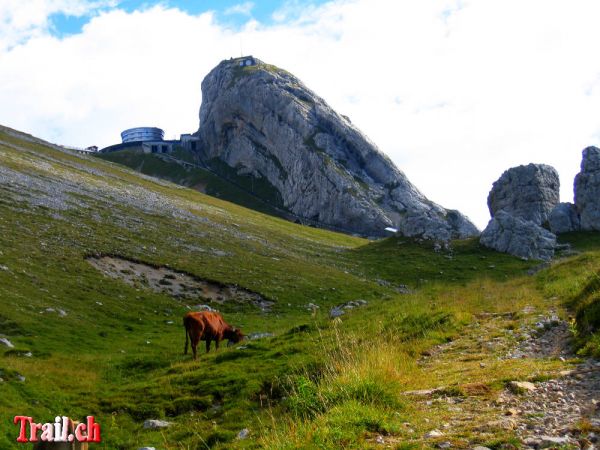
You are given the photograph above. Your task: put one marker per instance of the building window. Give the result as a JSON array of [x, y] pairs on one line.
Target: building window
[[154, 148], [193, 145], [165, 149]]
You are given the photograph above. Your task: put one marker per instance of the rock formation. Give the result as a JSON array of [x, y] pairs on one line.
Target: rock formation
[[564, 218], [516, 236], [530, 192], [260, 121], [520, 202], [587, 189]]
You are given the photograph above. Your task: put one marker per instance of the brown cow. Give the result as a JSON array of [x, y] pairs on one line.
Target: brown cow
[[208, 326]]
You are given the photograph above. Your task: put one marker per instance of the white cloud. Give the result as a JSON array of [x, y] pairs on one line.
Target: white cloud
[[454, 92], [244, 9], [21, 20], [295, 10]]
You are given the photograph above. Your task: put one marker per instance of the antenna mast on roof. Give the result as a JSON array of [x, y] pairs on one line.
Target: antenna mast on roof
[[241, 52]]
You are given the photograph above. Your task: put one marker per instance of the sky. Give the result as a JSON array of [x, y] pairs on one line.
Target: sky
[[453, 91]]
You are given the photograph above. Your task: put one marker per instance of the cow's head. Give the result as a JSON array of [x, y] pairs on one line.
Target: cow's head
[[234, 336]]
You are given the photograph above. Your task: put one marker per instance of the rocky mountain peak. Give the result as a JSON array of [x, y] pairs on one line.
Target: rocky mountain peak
[[259, 121]]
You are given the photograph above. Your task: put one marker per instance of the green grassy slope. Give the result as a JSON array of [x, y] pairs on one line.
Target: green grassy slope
[[197, 178], [116, 354]]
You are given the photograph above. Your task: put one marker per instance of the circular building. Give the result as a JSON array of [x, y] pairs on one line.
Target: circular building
[[141, 134]]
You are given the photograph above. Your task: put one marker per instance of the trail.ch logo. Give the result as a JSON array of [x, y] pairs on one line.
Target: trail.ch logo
[[62, 429]]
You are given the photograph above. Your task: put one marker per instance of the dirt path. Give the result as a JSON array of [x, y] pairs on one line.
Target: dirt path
[[513, 380], [564, 409]]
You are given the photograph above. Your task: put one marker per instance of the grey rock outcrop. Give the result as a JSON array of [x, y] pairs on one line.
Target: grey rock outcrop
[[520, 202], [587, 189], [243, 434], [154, 424], [564, 218], [516, 236], [529, 192], [6, 342], [262, 122], [340, 310]]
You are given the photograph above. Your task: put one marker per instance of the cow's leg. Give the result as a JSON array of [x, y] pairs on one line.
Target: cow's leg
[[207, 345], [217, 341], [194, 338], [186, 342]]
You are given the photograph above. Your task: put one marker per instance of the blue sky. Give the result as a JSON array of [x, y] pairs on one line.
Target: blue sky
[[453, 91], [230, 12]]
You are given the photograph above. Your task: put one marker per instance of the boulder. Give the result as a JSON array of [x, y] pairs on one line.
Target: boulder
[[154, 424], [433, 434], [529, 192], [336, 312], [587, 189], [340, 310], [495, 425], [564, 218], [243, 434], [554, 441], [519, 387], [516, 236], [261, 127], [6, 342]]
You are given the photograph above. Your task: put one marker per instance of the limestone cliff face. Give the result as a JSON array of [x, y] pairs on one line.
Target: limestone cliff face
[[261, 121], [587, 189], [520, 202], [530, 192]]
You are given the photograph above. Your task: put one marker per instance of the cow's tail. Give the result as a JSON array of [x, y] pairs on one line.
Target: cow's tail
[[186, 336]]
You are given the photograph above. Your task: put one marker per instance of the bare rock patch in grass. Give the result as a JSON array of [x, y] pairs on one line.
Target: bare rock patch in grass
[[175, 283]]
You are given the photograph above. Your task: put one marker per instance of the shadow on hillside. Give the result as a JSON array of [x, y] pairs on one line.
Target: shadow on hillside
[[581, 240], [403, 260]]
